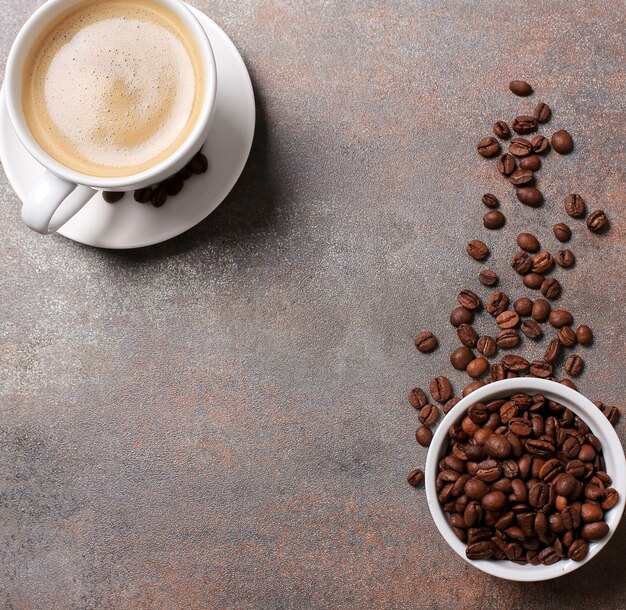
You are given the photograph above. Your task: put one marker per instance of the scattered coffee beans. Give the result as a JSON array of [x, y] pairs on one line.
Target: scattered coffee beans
[[477, 250], [415, 477], [528, 242], [530, 196], [425, 342], [531, 162], [494, 220], [487, 277], [575, 205], [540, 144], [520, 87], [501, 129], [597, 222], [491, 201], [565, 258], [524, 124], [562, 142], [112, 196], [488, 147], [584, 335], [542, 112], [562, 232]]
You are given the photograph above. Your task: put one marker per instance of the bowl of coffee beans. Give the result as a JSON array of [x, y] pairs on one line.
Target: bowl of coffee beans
[[526, 479]]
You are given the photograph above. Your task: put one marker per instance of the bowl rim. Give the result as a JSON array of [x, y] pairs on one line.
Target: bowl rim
[[611, 448]]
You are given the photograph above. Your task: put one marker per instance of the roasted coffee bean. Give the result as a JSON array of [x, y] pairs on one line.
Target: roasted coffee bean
[[473, 514], [523, 306], [574, 365], [541, 310], [480, 550], [477, 367], [425, 342], [497, 371], [515, 363], [506, 164], [538, 495], [468, 299], [540, 368], [487, 277], [590, 513], [494, 501], [491, 201], [477, 250], [497, 303], [488, 147], [528, 242], [578, 550], [497, 446], [478, 413], [550, 288], [507, 338], [524, 124], [520, 147], [594, 531], [612, 414], [560, 317], [548, 556], [531, 329], [533, 280], [143, 195], [542, 262], [424, 436], [584, 335], [417, 398], [531, 162], [461, 315], [461, 357], [550, 470], [562, 142], [569, 383], [173, 185], [475, 489], [199, 164], [575, 205], [542, 112], [486, 346], [522, 263], [471, 387], [494, 220], [428, 415], [186, 172], [611, 498], [597, 221], [566, 336], [508, 319], [415, 477], [467, 335], [501, 129], [158, 197], [440, 389], [521, 176], [540, 144], [530, 196], [562, 232], [112, 196], [565, 258], [450, 404], [520, 88]]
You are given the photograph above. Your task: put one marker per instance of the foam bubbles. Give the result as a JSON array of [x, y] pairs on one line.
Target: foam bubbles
[[118, 88]]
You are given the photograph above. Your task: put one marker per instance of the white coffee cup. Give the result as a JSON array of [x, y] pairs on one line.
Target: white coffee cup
[[61, 192]]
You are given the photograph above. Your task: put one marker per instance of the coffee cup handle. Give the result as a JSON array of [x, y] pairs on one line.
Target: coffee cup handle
[[52, 202]]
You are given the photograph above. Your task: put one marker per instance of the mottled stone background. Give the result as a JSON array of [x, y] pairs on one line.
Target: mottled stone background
[[220, 421]]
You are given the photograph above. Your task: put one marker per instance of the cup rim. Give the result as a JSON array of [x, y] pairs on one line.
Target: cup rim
[[580, 405], [13, 80]]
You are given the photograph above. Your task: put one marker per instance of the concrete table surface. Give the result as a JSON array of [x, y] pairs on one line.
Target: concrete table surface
[[220, 421]]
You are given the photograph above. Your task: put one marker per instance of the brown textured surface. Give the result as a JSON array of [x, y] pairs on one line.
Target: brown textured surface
[[220, 421]]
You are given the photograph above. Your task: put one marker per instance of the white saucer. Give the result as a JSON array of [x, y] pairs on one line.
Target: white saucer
[[128, 224]]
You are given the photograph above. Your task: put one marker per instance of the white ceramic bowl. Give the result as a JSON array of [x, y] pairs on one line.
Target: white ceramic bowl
[[581, 406]]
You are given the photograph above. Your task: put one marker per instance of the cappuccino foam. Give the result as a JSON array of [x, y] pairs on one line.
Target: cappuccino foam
[[113, 87]]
